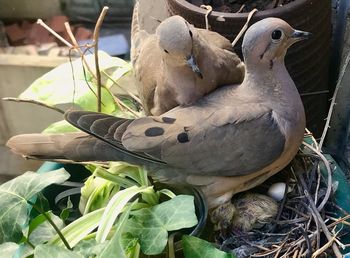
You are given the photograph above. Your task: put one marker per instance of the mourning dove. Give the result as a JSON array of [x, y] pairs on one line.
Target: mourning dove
[[180, 64], [227, 142]]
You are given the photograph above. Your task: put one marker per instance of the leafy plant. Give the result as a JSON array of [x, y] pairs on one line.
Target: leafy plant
[[122, 213]]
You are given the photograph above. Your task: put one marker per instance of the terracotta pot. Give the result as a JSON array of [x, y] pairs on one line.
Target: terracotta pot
[[307, 62]]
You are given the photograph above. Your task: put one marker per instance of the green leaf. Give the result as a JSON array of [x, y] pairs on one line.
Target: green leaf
[[65, 212], [60, 127], [13, 200], [114, 208], [198, 248], [151, 225], [60, 86], [90, 248], [45, 251], [115, 247], [43, 231], [117, 73], [8, 249], [79, 229]]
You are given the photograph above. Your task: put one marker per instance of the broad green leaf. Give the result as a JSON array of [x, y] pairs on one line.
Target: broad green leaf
[[117, 73], [45, 251], [114, 208], [60, 127], [79, 229], [115, 247], [151, 225], [44, 231], [198, 248], [8, 249], [90, 248], [60, 86], [13, 200]]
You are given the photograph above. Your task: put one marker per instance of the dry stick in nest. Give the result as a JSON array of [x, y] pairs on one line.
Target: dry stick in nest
[[315, 211]]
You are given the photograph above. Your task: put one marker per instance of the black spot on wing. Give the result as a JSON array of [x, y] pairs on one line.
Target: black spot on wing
[[183, 137], [154, 131], [168, 120]]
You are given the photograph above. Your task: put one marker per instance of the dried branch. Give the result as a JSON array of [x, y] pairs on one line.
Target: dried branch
[[31, 101], [97, 66]]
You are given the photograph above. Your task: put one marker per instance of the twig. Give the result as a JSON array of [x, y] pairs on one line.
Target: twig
[[244, 28], [97, 66], [333, 103], [329, 172], [77, 47], [241, 8], [31, 101], [40, 22], [316, 212], [209, 10], [340, 220]]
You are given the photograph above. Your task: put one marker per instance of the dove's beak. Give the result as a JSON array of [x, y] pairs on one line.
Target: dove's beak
[[191, 62], [298, 35]]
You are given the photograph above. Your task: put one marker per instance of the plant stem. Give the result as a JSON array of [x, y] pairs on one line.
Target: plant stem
[[95, 38], [58, 231], [34, 102]]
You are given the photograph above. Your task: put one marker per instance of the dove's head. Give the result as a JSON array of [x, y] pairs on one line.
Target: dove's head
[[175, 37], [267, 41]]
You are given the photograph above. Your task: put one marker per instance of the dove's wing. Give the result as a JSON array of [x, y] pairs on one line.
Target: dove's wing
[[206, 138]]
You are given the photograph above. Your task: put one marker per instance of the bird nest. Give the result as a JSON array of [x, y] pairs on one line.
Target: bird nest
[[309, 222]]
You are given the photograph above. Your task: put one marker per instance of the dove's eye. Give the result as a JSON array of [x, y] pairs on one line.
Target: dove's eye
[[276, 35], [191, 35], [166, 51]]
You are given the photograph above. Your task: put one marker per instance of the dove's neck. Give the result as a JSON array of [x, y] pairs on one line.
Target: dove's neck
[[270, 78]]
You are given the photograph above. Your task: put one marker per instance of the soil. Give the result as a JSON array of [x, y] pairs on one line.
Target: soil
[[240, 6]]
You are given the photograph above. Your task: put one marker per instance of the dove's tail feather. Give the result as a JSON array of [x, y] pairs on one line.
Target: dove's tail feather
[[77, 146]]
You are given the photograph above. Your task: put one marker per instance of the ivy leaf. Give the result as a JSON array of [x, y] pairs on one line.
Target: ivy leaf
[[198, 248], [69, 83], [8, 249], [90, 248], [151, 225], [52, 251], [44, 231], [13, 200]]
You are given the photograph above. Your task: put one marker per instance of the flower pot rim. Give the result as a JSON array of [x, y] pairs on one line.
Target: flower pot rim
[[278, 11]]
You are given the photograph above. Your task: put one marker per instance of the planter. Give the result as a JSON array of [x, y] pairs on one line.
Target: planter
[[307, 62]]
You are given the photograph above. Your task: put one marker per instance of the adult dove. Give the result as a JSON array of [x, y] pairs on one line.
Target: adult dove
[[179, 64], [227, 142]]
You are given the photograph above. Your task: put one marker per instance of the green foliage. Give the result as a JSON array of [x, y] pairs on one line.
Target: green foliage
[[194, 247], [151, 225], [52, 251], [8, 249], [40, 230], [14, 195]]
